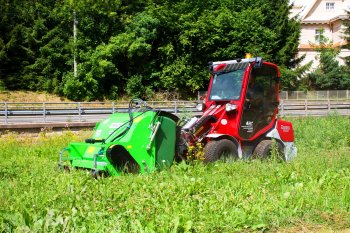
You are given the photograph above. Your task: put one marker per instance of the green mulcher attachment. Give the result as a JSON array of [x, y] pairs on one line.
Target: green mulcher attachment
[[139, 141]]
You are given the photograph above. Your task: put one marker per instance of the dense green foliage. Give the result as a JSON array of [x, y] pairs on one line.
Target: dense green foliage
[[136, 47], [329, 74], [294, 79], [312, 190]]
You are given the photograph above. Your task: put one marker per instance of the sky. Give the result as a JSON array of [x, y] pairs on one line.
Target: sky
[[301, 2]]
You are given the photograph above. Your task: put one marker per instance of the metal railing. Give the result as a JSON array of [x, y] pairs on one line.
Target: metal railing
[[315, 95], [302, 95], [14, 113], [314, 107], [34, 112]]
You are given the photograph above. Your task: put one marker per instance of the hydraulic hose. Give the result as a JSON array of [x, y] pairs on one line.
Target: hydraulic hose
[[130, 122]]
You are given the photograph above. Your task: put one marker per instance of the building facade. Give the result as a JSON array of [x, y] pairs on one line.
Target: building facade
[[321, 20]]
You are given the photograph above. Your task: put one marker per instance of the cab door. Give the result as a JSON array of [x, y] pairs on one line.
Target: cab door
[[261, 101]]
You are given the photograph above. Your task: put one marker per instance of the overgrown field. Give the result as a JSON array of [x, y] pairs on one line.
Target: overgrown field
[[311, 192]]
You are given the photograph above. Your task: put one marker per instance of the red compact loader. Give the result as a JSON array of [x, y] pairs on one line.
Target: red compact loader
[[239, 117]]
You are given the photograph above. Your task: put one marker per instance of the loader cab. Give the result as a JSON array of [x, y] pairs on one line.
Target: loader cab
[[261, 101], [226, 86], [251, 88]]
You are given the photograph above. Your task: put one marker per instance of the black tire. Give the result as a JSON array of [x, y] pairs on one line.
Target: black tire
[[264, 150], [221, 149]]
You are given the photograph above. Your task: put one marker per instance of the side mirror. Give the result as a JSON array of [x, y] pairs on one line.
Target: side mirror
[[230, 107]]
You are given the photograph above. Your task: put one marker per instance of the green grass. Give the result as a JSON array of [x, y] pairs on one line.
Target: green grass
[[313, 190]]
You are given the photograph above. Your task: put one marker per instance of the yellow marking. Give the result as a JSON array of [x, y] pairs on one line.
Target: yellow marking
[[128, 146], [200, 129], [138, 119], [91, 150]]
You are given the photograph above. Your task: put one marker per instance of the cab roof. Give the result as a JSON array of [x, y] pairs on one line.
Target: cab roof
[[238, 64]]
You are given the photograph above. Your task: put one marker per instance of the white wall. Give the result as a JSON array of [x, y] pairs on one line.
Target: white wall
[[333, 29], [319, 11], [313, 56]]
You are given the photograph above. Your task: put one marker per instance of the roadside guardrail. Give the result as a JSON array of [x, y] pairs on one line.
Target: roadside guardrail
[[46, 112]]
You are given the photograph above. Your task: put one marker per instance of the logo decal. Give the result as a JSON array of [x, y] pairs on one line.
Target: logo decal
[[285, 128], [249, 125]]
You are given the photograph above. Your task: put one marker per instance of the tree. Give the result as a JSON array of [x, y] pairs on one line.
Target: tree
[[294, 79], [329, 74], [17, 43], [136, 47]]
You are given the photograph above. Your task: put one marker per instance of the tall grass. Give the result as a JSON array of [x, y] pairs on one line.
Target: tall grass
[[313, 189]]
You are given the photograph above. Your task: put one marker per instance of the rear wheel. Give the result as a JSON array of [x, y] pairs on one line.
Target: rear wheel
[[222, 149], [266, 148]]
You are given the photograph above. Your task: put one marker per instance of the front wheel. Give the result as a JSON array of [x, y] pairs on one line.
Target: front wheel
[[268, 148], [222, 149]]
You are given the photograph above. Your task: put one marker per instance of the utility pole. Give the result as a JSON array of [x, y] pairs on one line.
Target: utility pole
[[75, 41]]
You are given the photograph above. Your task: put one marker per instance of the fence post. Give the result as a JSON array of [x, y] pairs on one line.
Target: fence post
[[175, 107], [282, 108], [327, 94], [305, 107], [329, 106], [79, 110], [6, 113], [347, 94], [44, 112], [113, 107]]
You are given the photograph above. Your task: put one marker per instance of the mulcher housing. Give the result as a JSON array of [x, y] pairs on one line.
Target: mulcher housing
[[135, 142]]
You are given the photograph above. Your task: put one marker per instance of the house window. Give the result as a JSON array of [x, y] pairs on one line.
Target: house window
[[329, 5], [319, 35]]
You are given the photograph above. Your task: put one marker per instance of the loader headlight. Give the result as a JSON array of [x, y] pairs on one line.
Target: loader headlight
[[200, 107], [230, 107]]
